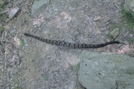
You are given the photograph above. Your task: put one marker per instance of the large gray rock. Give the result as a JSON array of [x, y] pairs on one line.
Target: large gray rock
[[106, 71], [38, 6]]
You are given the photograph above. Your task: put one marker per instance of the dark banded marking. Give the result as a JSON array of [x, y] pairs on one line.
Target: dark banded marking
[[71, 45]]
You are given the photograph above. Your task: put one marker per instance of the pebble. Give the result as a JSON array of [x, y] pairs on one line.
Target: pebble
[[76, 33], [69, 40], [12, 31], [71, 8], [115, 32], [13, 12], [38, 6]]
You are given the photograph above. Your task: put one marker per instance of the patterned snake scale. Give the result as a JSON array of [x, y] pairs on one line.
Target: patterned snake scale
[[71, 45]]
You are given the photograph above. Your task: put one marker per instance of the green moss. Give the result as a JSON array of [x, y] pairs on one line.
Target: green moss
[[76, 67], [1, 3], [21, 42], [4, 17], [114, 26], [16, 82], [1, 28], [109, 36], [128, 17], [0, 11], [44, 78]]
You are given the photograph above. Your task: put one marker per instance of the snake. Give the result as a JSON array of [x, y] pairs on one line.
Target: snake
[[71, 45]]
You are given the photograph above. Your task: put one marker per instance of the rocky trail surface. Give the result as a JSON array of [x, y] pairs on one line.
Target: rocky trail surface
[[26, 63]]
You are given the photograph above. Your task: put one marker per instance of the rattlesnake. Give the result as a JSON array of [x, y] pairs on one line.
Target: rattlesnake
[[71, 45]]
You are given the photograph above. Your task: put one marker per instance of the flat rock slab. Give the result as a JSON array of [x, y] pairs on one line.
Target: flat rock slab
[[38, 6], [106, 71]]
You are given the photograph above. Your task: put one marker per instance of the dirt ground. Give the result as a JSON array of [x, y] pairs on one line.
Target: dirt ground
[[26, 63]]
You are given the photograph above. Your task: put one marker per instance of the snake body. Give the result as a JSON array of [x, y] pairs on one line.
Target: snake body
[[71, 45]]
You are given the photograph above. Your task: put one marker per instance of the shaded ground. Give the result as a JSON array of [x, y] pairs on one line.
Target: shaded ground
[[36, 65]]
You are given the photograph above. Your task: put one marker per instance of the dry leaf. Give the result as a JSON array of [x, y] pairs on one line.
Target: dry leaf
[[38, 20], [17, 40]]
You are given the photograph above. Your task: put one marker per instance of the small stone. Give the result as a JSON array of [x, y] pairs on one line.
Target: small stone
[[76, 33], [69, 40], [38, 6], [12, 31], [106, 19], [3, 18], [13, 12], [115, 32], [71, 8], [96, 18]]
